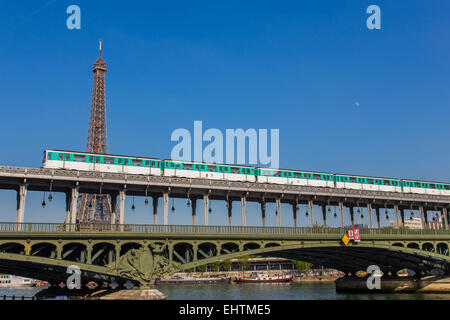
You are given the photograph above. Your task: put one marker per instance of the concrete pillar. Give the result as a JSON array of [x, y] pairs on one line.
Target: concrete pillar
[[230, 211], [67, 219], [377, 214], [324, 214], [402, 216], [263, 212], [423, 217], [278, 208], [341, 211], [206, 207], [294, 213], [73, 206], [352, 218], [445, 216], [369, 212], [21, 197], [244, 210], [194, 211], [166, 208], [113, 207], [155, 209], [311, 211], [397, 223], [122, 196]]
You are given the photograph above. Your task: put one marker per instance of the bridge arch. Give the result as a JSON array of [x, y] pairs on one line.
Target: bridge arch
[[413, 245], [442, 248], [183, 252], [103, 253], [251, 246], [125, 247], [12, 247], [206, 250], [44, 249], [398, 244], [428, 246], [229, 247], [74, 251], [271, 244]]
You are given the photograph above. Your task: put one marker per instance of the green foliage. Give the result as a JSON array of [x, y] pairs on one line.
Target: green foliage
[[244, 262], [301, 265], [226, 265], [215, 266], [201, 268]]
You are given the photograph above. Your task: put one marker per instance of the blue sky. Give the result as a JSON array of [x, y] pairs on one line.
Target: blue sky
[[297, 66]]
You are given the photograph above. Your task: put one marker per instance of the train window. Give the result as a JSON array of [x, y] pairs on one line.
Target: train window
[[187, 166], [79, 157], [136, 163], [316, 176], [432, 186], [277, 173], [62, 156], [352, 179], [234, 170], [386, 182], [94, 159], [108, 160], [297, 175], [370, 181], [211, 168], [123, 161]]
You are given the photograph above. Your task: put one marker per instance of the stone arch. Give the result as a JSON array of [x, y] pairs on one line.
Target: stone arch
[[103, 253], [428, 246], [44, 249], [413, 245], [74, 251], [229, 247], [442, 248], [398, 244], [251, 246], [12, 247]]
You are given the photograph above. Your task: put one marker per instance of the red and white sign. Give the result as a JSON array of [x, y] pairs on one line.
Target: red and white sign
[[353, 234], [357, 235]]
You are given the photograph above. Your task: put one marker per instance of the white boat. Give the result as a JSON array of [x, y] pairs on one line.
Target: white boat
[[9, 281], [263, 277]]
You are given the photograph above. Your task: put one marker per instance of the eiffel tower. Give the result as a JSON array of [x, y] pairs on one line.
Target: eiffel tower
[[97, 207]]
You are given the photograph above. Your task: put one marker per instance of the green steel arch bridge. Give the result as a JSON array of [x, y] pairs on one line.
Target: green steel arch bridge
[[142, 253]]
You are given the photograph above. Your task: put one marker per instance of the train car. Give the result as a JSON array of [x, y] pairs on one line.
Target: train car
[[438, 188], [189, 169], [367, 183], [58, 159], [269, 175]]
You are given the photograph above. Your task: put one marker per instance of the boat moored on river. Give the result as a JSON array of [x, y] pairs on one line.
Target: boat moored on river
[[263, 277]]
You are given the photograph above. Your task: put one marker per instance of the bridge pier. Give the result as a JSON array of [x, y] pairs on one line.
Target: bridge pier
[[352, 215], [166, 207], [324, 215], [402, 216], [294, 213], [155, 209], [377, 215], [369, 212], [21, 197], [73, 206], [113, 196], [341, 212], [423, 217], [122, 196], [278, 208], [230, 210], [445, 214], [396, 215], [311, 212], [194, 211], [244, 209], [206, 207], [263, 212]]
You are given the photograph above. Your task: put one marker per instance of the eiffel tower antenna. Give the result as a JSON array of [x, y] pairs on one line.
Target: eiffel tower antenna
[[97, 207]]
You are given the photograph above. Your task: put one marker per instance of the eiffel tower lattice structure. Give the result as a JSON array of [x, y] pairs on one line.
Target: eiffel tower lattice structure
[[97, 207]]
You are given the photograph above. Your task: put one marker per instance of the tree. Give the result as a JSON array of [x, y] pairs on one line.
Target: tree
[[226, 265], [301, 265]]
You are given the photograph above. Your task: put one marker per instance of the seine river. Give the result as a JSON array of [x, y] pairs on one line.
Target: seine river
[[292, 291]]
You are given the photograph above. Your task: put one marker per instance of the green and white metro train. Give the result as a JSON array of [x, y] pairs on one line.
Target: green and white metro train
[[59, 159]]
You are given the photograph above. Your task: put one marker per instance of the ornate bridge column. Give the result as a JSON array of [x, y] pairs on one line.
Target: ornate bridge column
[[194, 251], [263, 212], [206, 207], [166, 207], [341, 211], [278, 206], [89, 254], [155, 209], [244, 209], [194, 211], [311, 211], [21, 197]]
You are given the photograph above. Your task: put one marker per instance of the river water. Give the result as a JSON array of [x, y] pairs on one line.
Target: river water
[[262, 291]]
